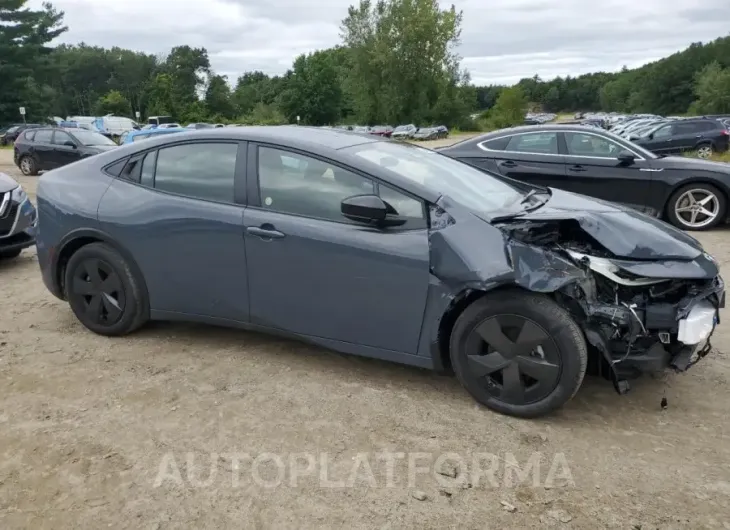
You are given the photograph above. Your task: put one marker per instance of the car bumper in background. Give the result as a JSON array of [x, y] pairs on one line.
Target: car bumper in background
[[18, 226]]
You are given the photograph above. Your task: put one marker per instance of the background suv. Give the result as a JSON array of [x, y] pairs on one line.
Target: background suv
[[48, 148], [702, 135]]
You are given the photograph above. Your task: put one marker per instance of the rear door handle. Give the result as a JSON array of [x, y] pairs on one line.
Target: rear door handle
[[265, 232], [576, 168], [507, 163]]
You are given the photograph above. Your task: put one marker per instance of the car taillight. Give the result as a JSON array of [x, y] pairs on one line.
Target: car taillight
[[725, 132]]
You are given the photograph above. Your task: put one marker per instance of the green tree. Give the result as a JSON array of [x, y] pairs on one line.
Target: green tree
[[712, 88], [313, 90], [24, 35], [401, 53], [113, 102], [218, 98], [509, 110]]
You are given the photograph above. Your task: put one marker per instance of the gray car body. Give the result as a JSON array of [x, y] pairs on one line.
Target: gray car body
[[389, 294]]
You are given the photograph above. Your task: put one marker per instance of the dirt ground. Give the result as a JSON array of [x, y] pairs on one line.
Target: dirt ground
[[153, 431]]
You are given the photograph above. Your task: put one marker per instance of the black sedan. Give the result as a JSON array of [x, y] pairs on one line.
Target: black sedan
[[42, 149], [690, 193], [376, 248]]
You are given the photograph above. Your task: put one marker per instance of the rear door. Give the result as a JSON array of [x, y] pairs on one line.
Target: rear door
[[532, 157], [685, 136], [187, 234], [42, 149], [593, 169]]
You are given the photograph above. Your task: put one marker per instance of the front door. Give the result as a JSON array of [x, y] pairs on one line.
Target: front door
[[313, 272], [65, 149], [187, 237], [593, 169]]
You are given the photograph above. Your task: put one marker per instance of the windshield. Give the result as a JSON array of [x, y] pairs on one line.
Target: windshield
[[92, 138], [474, 189]]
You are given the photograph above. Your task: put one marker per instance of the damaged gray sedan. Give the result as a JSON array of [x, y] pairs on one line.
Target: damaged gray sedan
[[374, 248]]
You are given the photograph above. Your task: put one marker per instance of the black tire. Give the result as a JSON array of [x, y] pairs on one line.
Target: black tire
[[677, 197], [112, 289], [28, 166], [10, 254], [556, 353]]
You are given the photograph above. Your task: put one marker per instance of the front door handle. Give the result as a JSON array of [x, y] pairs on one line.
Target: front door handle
[[576, 167], [507, 163], [265, 232]]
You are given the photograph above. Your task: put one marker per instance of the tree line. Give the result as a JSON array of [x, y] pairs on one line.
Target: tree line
[[397, 63]]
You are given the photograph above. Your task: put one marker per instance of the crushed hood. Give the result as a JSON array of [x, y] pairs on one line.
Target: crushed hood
[[624, 232], [7, 183]]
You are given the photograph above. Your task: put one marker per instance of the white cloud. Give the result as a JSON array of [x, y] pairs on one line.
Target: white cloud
[[502, 40]]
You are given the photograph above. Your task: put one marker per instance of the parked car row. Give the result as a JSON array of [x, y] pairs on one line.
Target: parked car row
[[703, 135], [401, 132]]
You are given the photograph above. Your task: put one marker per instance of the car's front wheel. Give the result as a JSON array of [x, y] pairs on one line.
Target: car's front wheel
[[697, 206], [28, 166], [518, 353], [103, 292]]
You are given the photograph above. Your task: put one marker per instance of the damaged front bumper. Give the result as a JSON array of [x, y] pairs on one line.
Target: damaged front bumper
[[646, 324]]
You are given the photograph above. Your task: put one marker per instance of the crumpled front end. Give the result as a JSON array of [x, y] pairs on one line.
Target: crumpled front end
[[640, 315]]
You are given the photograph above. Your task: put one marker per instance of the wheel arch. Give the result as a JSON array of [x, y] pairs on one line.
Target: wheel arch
[[440, 352], [721, 187], [80, 238]]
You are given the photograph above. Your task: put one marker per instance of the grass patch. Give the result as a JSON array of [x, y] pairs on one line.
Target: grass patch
[[6, 146], [716, 157]]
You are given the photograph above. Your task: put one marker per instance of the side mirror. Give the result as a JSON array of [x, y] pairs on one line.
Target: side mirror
[[626, 157], [69, 143], [369, 209], [650, 136]]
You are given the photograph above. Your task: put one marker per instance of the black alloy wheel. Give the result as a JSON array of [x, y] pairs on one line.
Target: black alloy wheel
[[103, 292], [514, 358], [99, 289], [518, 353]]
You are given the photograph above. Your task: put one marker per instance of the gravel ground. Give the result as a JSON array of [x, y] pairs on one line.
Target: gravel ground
[[153, 431]]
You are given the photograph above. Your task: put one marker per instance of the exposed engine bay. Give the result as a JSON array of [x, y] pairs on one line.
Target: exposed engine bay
[[642, 315]]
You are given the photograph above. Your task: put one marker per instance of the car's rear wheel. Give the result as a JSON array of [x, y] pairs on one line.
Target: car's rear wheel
[[28, 166], [103, 292], [697, 206], [704, 151], [9, 254], [518, 353]]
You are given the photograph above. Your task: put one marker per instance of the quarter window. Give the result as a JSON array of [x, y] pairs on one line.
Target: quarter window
[[537, 143], [147, 175], [300, 185], [204, 170], [580, 144], [498, 144]]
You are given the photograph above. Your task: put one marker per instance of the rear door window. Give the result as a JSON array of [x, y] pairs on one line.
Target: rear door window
[[536, 143], [44, 136]]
